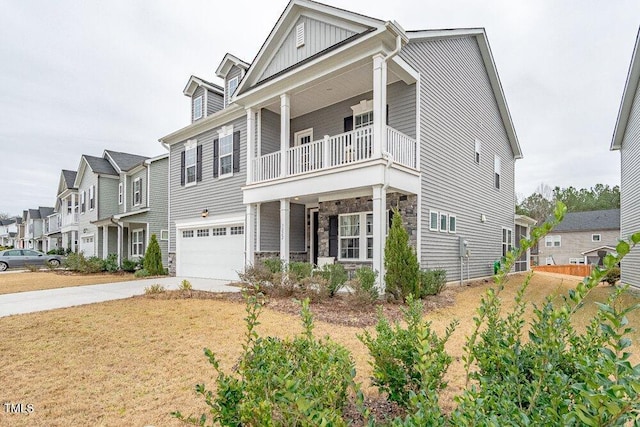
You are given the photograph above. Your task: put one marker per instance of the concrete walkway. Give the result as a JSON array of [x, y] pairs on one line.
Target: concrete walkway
[[49, 299]]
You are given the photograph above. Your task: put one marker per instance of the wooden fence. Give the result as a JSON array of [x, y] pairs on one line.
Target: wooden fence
[[570, 269]]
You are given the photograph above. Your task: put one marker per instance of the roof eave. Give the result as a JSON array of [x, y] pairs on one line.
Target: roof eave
[[218, 118], [628, 95]]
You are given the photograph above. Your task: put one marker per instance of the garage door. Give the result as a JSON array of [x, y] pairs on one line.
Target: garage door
[[87, 246], [215, 251]]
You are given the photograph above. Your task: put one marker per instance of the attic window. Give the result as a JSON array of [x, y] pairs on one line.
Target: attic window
[[197, 108], [300, 35], [232, 85]]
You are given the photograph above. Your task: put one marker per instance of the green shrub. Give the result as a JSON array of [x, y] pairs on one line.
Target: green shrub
[[398, 352], [32, 268], [302, 381], [612, 276], [154, 289], [273, 265], [141, 273], [185, 285], [335, 277], [432, 282], [130, 265], [300, 270], [256, 275], [364, 286], [78, 262], [94, 265], [111, 263], [400, 262], [153, 258]]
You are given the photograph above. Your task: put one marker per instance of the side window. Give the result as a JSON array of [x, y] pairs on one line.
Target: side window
[[497, 171], [197, 108]]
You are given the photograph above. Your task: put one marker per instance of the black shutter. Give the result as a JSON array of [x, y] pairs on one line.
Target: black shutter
[[236, 151], [215, 158], [182, 168], [333, 236], [348, 123], [391, 213], [199, 163], [387, 115]]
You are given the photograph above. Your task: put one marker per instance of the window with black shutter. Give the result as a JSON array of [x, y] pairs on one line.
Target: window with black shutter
[[333, 236]]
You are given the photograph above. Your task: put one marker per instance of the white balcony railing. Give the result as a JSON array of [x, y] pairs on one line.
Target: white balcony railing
[[69, 219], [333, 151]]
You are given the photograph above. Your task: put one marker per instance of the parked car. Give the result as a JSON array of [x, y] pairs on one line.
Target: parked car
[[20, 257]]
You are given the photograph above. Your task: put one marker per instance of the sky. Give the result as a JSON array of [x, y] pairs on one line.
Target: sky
[[79, 77]]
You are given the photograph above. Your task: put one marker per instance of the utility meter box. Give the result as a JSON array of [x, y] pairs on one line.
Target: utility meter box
[[464, 247]]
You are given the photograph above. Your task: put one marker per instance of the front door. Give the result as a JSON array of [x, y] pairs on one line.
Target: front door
[[314, 234]]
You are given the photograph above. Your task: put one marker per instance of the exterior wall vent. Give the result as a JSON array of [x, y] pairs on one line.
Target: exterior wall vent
[[300, 35]]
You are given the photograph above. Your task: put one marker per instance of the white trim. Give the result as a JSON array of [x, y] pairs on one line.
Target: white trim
[[120, 193], [437, 221], [297, 136], [365, 106], [195, 102], [628, 96], [455, 221], [300, 35], [225, 132], [137, 181], [497, 170], [194, 129], [92, 197], [219, 220], [191, 144], [596, 240], [131, 234], [227, 90], [362, 236], [551, 239]]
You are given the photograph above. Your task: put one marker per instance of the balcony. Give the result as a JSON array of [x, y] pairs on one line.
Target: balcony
[[332, 152]]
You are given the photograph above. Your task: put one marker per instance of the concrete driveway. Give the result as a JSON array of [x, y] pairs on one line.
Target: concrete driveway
[[49, 299]]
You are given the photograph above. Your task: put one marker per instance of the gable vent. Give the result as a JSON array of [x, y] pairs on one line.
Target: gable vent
[[300, 35]]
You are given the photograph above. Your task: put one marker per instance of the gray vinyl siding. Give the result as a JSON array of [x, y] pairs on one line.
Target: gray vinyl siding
[[270, 132], [113, 241], [158, 203], [233, 72], [215, 102], [85, 219], [630, 192], [270, 227], [401, 102], [218, 195], [457, 105], [198, 92], [572, 244], [318, 36], [107, 197]]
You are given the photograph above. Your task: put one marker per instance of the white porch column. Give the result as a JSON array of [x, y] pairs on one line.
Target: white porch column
[[285, 128], [379, 232], [105, 242], [119, 244], [258, 227], [379, 105], [249, 239], [285, 217], [251, 142]]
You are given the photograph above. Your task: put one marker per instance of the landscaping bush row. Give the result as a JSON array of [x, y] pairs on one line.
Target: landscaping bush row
[[520, 370]]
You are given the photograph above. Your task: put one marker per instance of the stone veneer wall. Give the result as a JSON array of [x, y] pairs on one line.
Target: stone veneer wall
[[171, 260], [406, 204]]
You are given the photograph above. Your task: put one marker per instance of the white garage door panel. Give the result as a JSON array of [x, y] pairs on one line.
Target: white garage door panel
[[87, 246], [213, 256]]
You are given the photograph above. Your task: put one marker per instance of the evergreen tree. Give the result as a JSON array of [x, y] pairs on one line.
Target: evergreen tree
[[402, 270], [153, 258]]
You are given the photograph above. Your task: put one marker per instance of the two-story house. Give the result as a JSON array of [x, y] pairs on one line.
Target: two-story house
[[339, 119], [67, 207], [34, 222], [142, 203], [52, 225], [122, 201], [9, 231], [581, 238], [626, 139]]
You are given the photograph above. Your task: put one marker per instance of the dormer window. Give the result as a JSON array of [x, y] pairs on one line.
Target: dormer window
[[232, 85], [197, 108]]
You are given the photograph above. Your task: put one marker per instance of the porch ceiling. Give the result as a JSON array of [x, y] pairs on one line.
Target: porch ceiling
[[336, 87]]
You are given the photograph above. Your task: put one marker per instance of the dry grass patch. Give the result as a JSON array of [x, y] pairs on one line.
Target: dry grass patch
[[132, 362], [36, 281]]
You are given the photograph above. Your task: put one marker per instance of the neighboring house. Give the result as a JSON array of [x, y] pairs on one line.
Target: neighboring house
[[34, 228], [581, 238], [339, 119], [68, 208], [122, 200], [52, 235], [626, 138], [9, 231]]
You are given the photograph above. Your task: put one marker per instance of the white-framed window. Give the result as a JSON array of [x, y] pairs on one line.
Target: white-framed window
[[219, 231], [369, 234], [433, 220], [92, 197], [83, 203], [202, 232], [137, 191], [237, 230], [444, 222], [553, 241], [69, 207], [186, 234], [190, 162], [137, 243], [164, 235], [497, 167], [120, 193], [225, 152], [303, 137], [197, 108], [596, 237], [576, 261], [453, 223], [232, 85], [362, 113], [355, 236], [507, 241], [476, 157], [300, 34]]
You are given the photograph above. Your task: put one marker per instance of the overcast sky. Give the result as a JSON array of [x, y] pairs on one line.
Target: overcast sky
[[78, 77]]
